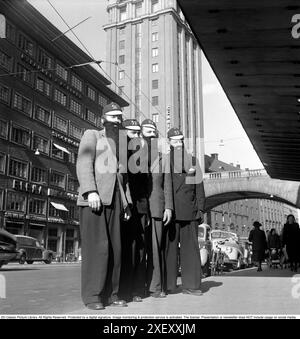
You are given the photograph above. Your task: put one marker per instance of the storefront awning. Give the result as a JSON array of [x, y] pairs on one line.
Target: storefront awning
[[60, 207], [61, 148]]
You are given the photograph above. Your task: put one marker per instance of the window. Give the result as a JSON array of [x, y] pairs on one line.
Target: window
[[102, 100], [75, 107], [75, 131], [91, 117], [43, 86], [45, 59], [121, 44], [5, 61], [24, 73], [154, 68], [73, 157], [57, 179], [73, 212], [57, 153], [155, 36], [154, 84], [91, 93], [60, 97], [154, 52], [53, 212], [154, 101], [73, 185], [4, 94], [121, 75], [52, 232], [25, 44], [154, 22], [122, 59], [22, 104], [76, 83], [37, 206], [16, 202], [61, 72], [122, 31], [3, 129], [123, 13], [60, 124], [42, 114], [154, 6], [18, 169], [138, 8], [155, 117], [20, 136], [121, 90], [39, 175], [41, 144], [2, 163], [70, 233], [10, 32]]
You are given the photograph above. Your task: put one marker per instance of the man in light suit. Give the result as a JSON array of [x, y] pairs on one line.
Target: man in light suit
[[104, 198], [189, 197], [160, 205]]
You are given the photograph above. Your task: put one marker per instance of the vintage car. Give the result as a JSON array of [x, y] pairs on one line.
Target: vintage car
[[205, 247], [234, 254], [8, 245], [30, 250]]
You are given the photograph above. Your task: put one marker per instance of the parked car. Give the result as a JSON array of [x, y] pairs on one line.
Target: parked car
[[234, 254], [30, 250], [205, 247], [8, 247]]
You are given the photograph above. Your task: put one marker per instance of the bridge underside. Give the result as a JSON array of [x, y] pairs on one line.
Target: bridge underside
[[251, 49], [219, 199]]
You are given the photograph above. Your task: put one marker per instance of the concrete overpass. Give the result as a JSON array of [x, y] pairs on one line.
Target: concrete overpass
[[251, 47], [223, 187]]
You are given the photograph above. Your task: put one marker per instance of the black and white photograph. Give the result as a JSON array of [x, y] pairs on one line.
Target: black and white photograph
[[150, 161]]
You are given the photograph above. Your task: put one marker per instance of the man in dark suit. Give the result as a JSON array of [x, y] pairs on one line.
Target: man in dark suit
[[189, 198], [104, 198], [160, 205], [259, 244]]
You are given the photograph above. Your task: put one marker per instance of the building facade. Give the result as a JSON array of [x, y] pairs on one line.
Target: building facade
[[158, 66], [45, 106], [238, 216]]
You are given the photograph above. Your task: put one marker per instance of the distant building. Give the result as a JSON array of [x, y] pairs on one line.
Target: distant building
[[238, 216], [45, 108], [159, 66]]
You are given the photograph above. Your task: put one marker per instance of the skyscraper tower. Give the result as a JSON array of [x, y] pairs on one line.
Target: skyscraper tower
[[158, 66]]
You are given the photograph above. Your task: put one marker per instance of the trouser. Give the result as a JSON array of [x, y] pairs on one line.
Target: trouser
[[135, 239], [101, 252], [184, 232], [157, 266]]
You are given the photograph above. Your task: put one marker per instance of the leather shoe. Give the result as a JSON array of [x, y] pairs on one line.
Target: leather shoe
[[137, 299], [95, 306], [158, 294], [118, 303], [192, 292]]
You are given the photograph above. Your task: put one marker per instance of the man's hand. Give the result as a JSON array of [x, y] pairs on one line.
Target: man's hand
[[94, 201], [127, 213], [167, 216]]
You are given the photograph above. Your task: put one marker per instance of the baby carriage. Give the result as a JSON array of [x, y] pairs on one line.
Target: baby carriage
[[275, 258]]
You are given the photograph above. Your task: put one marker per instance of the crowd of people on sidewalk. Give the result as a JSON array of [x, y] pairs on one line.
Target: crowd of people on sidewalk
[[137, 201]]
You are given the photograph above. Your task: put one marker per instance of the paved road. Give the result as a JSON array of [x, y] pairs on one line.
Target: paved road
[[55, 289]]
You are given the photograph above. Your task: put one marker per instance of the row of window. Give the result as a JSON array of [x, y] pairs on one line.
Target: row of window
[[17, 202], [47, 61], [138, 9]]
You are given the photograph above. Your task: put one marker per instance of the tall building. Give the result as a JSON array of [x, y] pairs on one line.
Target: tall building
[[45, 106], [158, 65]]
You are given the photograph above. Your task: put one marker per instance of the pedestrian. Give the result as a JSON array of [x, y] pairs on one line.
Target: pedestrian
[[136, 233], [259, 244], [274, 240], [291, 240], [104, 199], [188, 213], [160, 205]]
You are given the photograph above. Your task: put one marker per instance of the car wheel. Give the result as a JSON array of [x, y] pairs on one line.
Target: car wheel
[[49, 260], [22, 259], [29, 262], [238, 264]]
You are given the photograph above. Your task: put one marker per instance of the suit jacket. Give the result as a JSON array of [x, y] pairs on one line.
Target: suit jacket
[[160, 186], [188, 192], [98, 169]]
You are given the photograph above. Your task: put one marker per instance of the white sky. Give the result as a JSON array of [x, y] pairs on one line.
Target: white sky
[[220, 121]]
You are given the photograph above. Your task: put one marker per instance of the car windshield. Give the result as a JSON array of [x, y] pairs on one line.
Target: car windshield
[[201, 232], [222, 235]]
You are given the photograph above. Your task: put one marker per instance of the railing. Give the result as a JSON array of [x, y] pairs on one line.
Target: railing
[[235, 174]]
